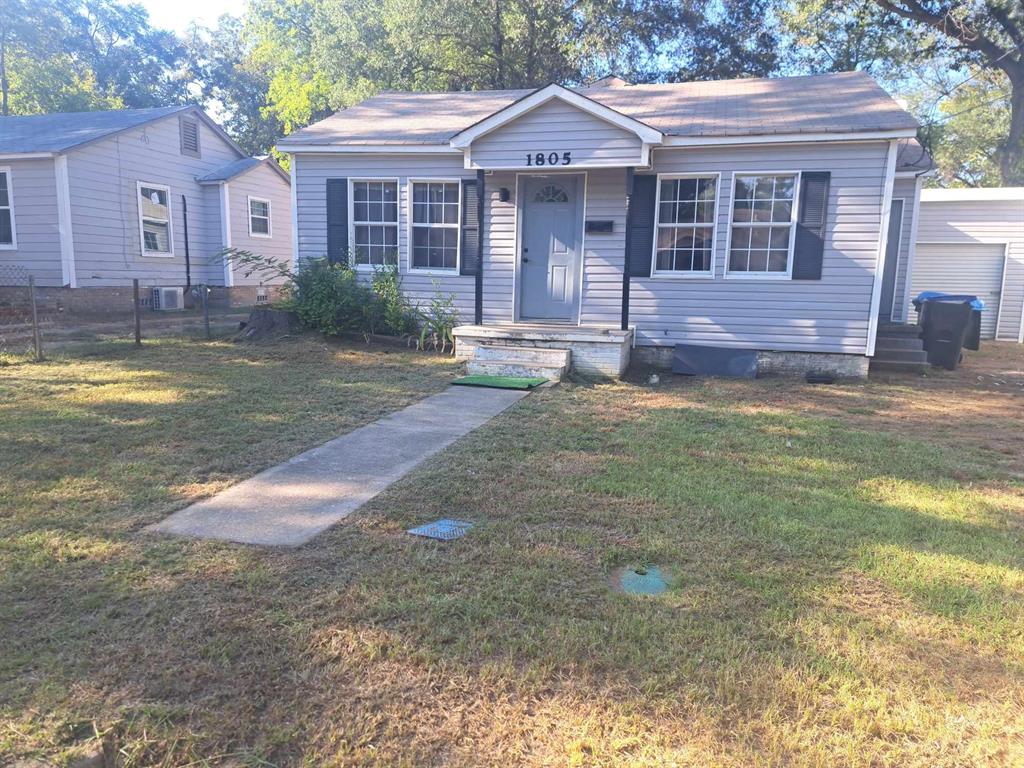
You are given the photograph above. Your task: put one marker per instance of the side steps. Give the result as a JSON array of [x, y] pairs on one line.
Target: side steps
[[899, 349], [529, 362]]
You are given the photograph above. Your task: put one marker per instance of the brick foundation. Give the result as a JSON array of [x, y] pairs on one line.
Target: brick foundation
[[775, 363]]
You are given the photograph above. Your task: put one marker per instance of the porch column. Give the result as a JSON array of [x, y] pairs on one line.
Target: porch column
[[478, 312], [626, 261]]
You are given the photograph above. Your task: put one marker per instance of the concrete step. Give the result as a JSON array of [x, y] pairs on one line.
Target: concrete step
[[550, 371], [899, 342], [901, 355], [898, 329], [541, 355], [898, 366]]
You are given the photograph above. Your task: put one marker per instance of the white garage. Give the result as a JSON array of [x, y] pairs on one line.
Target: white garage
[[972, 268], [972, 241]]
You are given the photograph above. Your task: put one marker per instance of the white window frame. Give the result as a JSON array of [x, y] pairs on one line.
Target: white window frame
[[672, 274], [410, 225], [170, 221], [249, 200], [13, 245], [352, 222], [794, 218]]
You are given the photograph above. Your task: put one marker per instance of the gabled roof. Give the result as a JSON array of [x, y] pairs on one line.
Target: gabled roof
[[59, 132], [844, 102], [549, 93], [236, 168]]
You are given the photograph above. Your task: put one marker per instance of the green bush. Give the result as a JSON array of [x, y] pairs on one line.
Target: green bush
[[329, 297], [396, 316]]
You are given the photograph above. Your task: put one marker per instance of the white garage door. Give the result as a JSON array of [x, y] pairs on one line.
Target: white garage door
[[972, 268]]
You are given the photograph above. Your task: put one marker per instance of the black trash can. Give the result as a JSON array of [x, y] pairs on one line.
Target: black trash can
[[945, 327], [972, 340]]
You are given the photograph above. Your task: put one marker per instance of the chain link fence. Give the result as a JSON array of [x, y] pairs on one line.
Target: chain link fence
[[20, 322]]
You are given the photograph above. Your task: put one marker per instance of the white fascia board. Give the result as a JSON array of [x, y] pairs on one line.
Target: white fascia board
[[26, 155], [785, 138], [646, 134], [972, 194], [369, 149]]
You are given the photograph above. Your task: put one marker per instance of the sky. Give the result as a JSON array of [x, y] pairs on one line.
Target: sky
[[176, 15]]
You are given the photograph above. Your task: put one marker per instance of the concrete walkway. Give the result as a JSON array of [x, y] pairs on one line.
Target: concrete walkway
[[289, 504]]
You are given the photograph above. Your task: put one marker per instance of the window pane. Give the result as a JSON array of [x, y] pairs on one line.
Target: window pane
[[782, 210], [737, 261], [359, 191], [260, 226], [780, 237], [259, 208], [155, 236], [5, 199], [758, 260], [154, 203], [777, 260], [6, 230]]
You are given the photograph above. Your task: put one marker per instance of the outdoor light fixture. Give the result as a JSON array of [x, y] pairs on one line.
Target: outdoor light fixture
[[504, 195]]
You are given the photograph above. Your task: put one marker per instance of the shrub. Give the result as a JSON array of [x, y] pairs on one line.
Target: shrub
[[438, 321], [395, 316], [329, 297]]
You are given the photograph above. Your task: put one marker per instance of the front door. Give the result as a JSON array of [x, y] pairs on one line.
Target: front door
[[550, 247], [892, 258]]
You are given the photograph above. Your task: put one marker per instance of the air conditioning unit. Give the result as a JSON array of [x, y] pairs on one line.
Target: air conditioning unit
[[262, 295], [165, 299]]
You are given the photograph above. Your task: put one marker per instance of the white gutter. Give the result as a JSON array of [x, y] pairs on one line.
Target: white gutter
[[69, 274]]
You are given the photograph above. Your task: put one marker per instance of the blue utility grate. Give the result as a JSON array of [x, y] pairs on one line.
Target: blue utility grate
[[442, 530], [642, 581]]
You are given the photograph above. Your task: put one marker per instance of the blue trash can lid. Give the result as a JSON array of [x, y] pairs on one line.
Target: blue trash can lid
[[955, 298]]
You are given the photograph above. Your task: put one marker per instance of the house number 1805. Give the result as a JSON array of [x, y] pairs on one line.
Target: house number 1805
[[552, 158]]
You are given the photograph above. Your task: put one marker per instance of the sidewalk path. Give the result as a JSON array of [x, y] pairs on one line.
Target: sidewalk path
[[290, 503]]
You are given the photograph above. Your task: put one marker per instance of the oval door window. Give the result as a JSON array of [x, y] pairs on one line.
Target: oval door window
[[552, 193]]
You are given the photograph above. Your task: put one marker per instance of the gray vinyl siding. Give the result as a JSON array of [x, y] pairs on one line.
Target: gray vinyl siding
[[105, 213], [984, 221], [33, 190], [311, 174], [266, 184], [556, 127], [827, 315], [907, 190]]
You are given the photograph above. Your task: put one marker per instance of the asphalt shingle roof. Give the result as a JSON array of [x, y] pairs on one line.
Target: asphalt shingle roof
[[912, 156], [61, 131], [230, 170], [842, 102]]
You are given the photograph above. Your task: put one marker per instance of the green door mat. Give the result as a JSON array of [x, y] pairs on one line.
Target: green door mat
[[500, 382]]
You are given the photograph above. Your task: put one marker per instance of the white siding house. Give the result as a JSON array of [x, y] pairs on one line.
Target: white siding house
[[750, 213], [972, 241], [101, 198]]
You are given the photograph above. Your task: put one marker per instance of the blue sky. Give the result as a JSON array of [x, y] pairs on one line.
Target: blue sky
[[178, 14]]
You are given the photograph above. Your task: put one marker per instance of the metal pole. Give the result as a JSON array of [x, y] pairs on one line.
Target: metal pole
[[188, 261], [136, 307], [37, 339], [206, 309], [628, 250]]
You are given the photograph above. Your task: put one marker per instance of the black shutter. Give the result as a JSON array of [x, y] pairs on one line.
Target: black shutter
[[470, 229], [337, 221], [810, 229], [641, 225]]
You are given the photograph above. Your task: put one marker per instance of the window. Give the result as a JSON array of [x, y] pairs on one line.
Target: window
[[259, 217], [7, 239], [155, 219], [552, 193], [435, 225], [374, 223], [685, 225], [761, 236], [188, 128]]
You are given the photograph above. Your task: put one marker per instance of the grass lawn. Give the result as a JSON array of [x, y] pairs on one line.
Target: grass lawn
[[846, 563]]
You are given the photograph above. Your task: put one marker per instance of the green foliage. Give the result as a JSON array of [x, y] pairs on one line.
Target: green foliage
[[396, 316], [438, 321], [329, 297]]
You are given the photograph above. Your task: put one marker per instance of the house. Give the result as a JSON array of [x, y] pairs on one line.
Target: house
[[92, 200], [971, 241], [616, 220]]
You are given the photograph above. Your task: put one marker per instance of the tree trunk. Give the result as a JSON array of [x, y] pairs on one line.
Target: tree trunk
[[1011, 155]]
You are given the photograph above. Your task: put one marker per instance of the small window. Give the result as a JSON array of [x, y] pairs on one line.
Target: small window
[[259, 217], [552, 193], [7, 239], [189, 130], [155, 219], [685, 225], [435, 225], [374, 223], [762, 224]]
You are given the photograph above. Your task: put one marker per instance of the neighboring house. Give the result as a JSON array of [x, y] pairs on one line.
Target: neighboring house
[[89, 201], [747, 213], [971, 241]]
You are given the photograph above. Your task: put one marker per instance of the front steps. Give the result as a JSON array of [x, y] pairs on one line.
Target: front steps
[[899, 349], [526, 362]]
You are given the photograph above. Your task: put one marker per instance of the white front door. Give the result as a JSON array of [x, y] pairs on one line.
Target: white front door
[[549, 249]]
